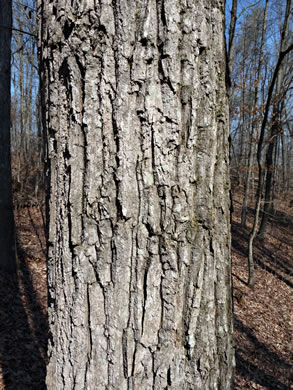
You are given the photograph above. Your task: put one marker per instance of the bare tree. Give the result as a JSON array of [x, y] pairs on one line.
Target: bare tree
[[7, 239], [255, 115], [275, 130], [282, 54], [26, 143], [139, 273]]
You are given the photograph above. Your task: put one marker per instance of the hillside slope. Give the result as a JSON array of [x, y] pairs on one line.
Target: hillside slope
[[263, 317]]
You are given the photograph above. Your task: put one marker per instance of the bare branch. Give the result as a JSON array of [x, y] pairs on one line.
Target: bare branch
[[20, 31], [246, 8]]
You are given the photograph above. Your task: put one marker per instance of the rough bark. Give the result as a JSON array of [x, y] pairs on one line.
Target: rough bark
[[231, 40], [139, 233], [7, 239]]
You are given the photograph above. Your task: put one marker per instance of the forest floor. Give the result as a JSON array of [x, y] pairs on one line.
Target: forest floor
[[263, 317]]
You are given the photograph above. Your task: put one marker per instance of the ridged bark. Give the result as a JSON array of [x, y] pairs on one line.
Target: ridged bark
[[139, 233]]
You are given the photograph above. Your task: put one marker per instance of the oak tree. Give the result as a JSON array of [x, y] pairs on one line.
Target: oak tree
[[139, 271]]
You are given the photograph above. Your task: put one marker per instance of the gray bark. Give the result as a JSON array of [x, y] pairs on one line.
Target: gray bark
[[7, 239], [139, 233], [231, 41]]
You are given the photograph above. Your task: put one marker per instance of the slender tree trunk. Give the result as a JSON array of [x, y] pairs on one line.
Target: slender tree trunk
[[269, 166], [29, 108], [231, 40], [139, 233], [21, 80], [284, 165], [255, 121], [7, 239], [230, 57], [275, 129], [289, 162], [247, 182], [282, 55]]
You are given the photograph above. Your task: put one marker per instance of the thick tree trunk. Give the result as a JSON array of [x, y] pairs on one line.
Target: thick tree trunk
[[139, 233], [7, 239]]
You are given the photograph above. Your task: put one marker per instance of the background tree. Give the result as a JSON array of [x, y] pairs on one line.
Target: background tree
[[7, 239], [139, 271], [282, 54], [261, 61], [278, 106], [26, 137], [258, 27]]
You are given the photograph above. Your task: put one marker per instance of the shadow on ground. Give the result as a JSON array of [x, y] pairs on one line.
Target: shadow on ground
[[260, 373], [23, 332], [262, 317], [274, 263]]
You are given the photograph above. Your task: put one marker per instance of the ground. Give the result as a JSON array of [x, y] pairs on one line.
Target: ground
[[263, 318]]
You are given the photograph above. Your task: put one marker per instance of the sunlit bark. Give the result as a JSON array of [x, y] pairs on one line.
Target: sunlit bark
[[139, 233]]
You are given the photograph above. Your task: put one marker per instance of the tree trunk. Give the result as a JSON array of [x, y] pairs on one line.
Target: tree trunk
[[7, 239], [268, 205], [252, 235], [139, 267], [231, 41], [275, 129], [255, 120]]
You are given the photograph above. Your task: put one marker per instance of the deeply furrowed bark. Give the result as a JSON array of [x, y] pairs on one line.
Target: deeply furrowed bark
[[139, 232]]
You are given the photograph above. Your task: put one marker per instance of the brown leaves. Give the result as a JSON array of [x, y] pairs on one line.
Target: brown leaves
[[263, 317], [23, 300]]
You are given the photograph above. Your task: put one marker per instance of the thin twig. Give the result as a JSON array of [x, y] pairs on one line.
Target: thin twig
[[20, 31]]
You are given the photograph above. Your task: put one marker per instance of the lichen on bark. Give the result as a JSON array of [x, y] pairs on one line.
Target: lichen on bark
[[139, 234]]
